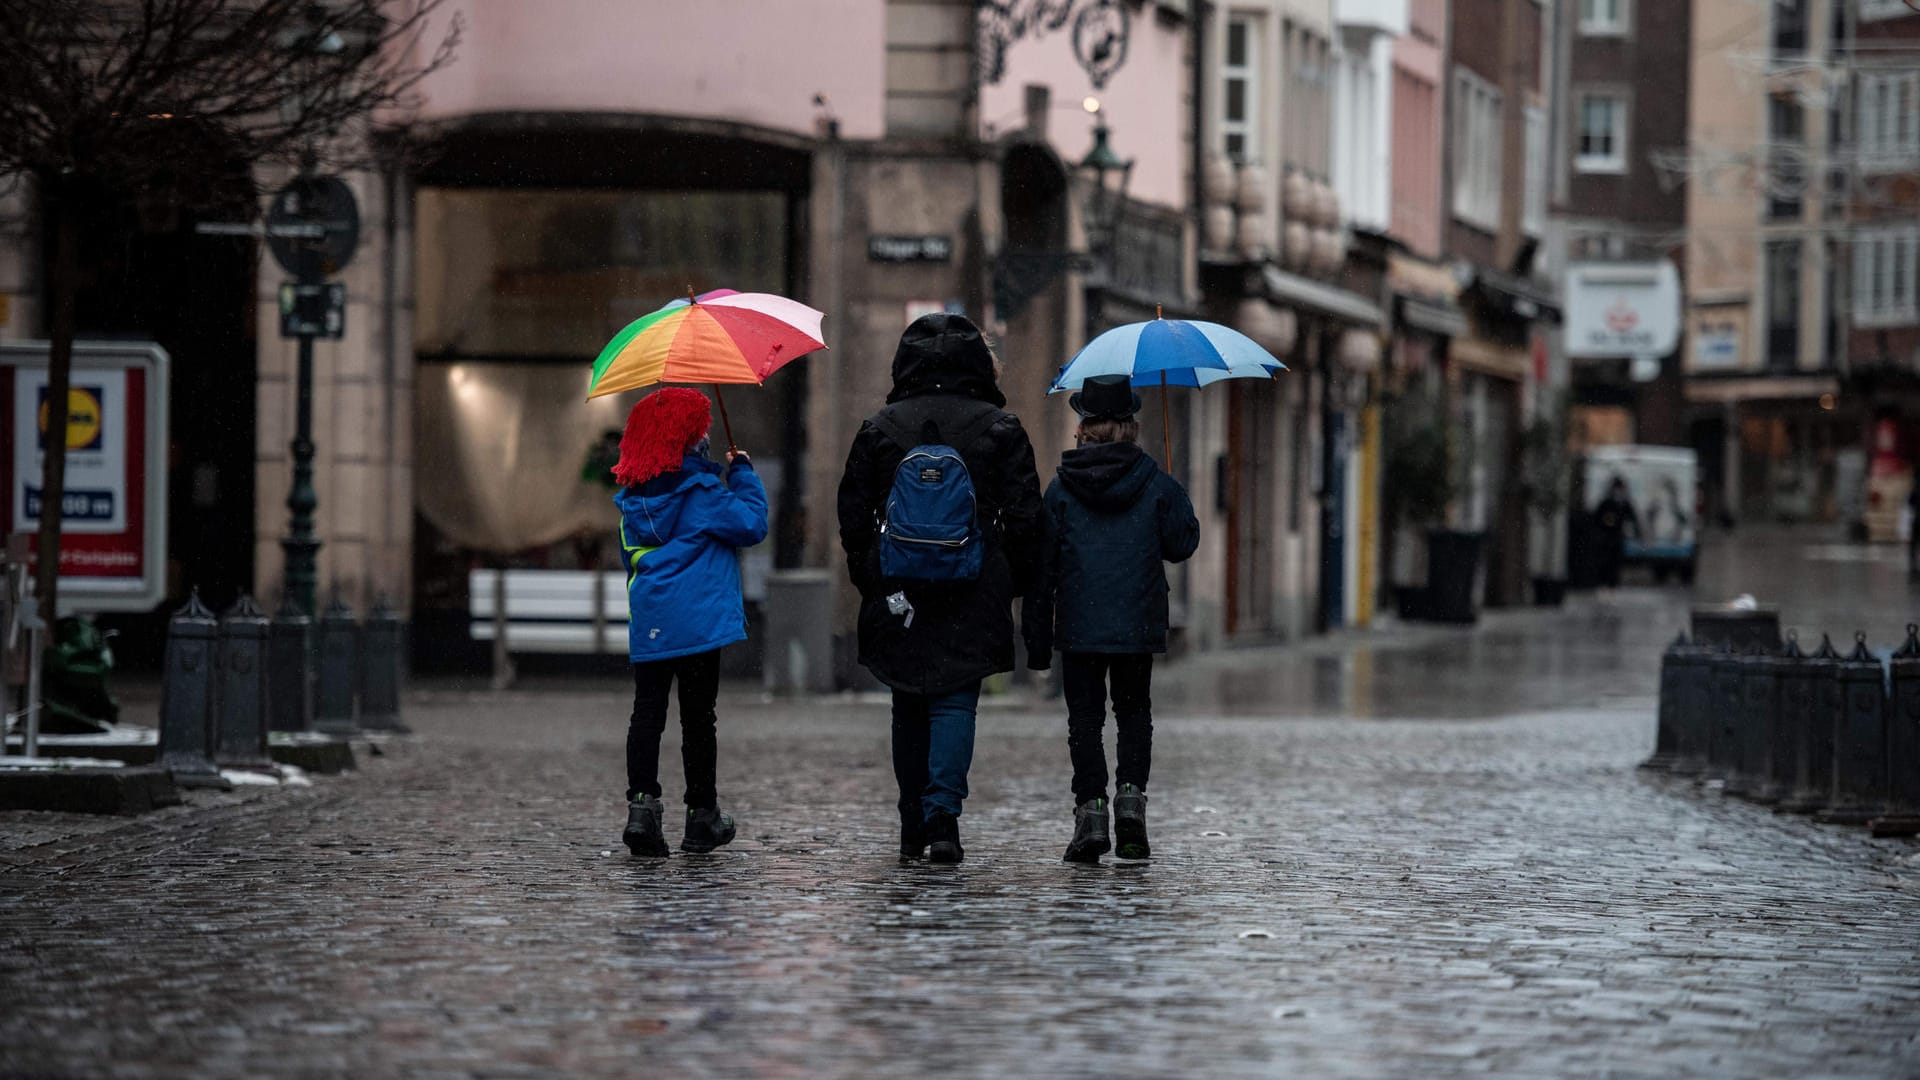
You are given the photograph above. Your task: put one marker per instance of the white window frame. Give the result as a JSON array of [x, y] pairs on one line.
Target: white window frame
[[1248, 126], [1874, 10], [1478, 122], [1592, 24], [1885, 263], [1887, 119], [1533, 213], [1615, 162]]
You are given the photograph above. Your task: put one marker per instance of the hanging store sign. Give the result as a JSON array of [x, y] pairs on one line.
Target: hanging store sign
[[114, 510], [1621, 309], [898, 249]]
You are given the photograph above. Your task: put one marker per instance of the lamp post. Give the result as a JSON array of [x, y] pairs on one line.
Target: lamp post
[[1107, 176]]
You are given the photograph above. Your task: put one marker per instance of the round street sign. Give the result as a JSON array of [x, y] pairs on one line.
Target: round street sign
[[313, 226]]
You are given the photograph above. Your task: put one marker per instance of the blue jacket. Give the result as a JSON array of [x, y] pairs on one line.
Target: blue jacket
[[678, 538], [1113, 519]]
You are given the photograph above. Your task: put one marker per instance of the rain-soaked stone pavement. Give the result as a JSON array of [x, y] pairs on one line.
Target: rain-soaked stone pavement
[[1421, 852]]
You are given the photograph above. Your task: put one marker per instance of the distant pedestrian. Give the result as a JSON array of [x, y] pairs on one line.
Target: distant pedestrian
[[680, 526], [1113, 520], [939, 513], [1614, 518]]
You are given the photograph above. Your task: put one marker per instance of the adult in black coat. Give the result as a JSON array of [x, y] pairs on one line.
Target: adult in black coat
[[933, 643], [1113, 520]]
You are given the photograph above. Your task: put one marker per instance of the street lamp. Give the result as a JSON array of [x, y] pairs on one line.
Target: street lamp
[[1107, 176]]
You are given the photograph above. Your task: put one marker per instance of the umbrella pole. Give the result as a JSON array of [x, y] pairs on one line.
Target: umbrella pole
[[725, 423], [1166, 423]]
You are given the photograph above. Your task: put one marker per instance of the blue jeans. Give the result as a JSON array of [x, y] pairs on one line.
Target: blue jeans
[[933, 748]]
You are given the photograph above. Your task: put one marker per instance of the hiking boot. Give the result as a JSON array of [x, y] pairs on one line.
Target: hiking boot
[[943, 837], [707, 828], [913, 832], [642, 835], [1130, 823], [1089, 832]]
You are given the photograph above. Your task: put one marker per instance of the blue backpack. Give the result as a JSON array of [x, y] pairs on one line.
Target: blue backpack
[[930, 529]]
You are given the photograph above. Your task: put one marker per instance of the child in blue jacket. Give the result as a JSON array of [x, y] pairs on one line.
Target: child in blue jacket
[[681, 527], [1113, 519]]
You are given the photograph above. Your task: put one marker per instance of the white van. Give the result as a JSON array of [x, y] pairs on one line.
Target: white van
[[1661, 485]]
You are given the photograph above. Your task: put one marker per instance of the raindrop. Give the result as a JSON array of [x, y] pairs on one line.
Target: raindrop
[[606, 854]]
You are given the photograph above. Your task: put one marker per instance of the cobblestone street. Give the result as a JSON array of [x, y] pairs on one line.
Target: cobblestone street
[[1345, 883]]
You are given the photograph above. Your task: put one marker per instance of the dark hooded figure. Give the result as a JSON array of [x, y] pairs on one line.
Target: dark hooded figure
[[1113, 520], [933, 642], [1615, 518]]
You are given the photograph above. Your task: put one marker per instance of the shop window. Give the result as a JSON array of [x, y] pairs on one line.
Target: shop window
[[1476, 150], [1600, 140]]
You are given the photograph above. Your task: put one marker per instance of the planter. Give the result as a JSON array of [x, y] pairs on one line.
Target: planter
[[1452, 592]]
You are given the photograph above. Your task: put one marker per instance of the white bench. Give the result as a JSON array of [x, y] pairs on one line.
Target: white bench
[[580, 612]]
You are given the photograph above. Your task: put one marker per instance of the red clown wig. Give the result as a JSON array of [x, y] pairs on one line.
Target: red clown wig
[[662, 427]]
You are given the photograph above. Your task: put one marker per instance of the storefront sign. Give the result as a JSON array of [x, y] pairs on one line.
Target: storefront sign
[[1716, 340], [1622, 309], [936, 249], [114, 512]]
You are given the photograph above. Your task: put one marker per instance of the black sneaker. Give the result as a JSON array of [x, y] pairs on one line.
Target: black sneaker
[[642, 835], [913, 832], [707, 828], [1130, 823], [1089, 832], [943, 836]]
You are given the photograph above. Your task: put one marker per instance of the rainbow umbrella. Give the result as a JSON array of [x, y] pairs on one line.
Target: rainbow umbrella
[[718, 337]]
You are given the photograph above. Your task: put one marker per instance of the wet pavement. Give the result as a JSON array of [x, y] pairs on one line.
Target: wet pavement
[[1418, 852]]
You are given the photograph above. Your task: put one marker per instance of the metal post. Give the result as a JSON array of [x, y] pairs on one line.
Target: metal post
[[290, 669], [1693, 708], [1818, 682], [599, 609], [339, 659], [380, 648], [1666, 738], [240, 710], [186, 697], [1791, 698], [36, 629], [302, 549], [1723, 746], [1903, 744], [1859, 740], [1759, 706]]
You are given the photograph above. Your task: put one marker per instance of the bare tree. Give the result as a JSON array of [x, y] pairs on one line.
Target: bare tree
[[177, 99]]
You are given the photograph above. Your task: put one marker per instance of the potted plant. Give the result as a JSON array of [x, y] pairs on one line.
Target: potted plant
[[1422, 475]]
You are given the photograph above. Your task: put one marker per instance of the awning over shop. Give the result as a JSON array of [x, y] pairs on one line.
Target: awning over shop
[[1425, 296], [1490, 358], [1316, 298], [1440, 319], [1761, 388]]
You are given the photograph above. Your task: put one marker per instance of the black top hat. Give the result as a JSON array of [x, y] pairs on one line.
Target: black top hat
[[1106, 397]]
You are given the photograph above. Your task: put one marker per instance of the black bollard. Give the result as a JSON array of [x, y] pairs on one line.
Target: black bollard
[[290, 669], [1789, 719], [1666, 735], [240, 733], [1759, 707], [380, 658], [1817, 680], [1902, 817], [1693, 707], [1723, 727], [339, 660], [186, 697], [1859, 791]]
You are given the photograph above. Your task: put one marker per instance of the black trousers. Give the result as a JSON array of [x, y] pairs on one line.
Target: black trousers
[[699, 678], [1086, 678]]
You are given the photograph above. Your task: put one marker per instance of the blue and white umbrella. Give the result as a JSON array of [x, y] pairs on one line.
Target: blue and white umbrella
[[1169, 352]]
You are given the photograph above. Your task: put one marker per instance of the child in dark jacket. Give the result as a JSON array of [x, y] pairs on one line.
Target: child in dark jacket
[[1113, 519], [680, 528]]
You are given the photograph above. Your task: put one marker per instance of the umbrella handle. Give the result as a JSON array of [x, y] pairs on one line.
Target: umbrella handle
[[725, 423], [1166, 423]]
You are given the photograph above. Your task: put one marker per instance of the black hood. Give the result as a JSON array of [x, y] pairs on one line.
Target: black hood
[[1107, 476], [944, 354]]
